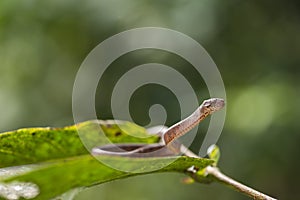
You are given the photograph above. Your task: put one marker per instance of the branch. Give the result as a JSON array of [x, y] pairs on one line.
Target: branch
[[219, 176]]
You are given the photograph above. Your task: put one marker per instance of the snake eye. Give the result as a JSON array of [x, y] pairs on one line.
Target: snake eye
[[207, 104]]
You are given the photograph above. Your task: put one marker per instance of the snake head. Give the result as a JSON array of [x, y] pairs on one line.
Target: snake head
[[212, 105]]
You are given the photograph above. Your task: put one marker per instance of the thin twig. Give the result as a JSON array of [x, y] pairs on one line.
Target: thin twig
[[217, 174]]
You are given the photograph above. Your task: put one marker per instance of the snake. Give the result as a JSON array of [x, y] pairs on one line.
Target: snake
[[168, 144]]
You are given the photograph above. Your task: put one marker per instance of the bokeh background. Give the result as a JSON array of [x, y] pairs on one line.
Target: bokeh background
[[255, 45]]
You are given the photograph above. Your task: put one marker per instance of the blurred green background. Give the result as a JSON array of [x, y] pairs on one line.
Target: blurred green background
[[255, 44]]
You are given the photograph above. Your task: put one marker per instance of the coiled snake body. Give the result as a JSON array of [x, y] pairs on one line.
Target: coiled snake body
[[168, 145]]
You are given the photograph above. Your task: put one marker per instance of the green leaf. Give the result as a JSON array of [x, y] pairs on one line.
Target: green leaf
[[214, 153], [59, 161], [31, 145]]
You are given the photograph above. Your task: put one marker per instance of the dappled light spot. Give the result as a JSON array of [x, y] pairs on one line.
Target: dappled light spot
[[17, 190], [252, 111]]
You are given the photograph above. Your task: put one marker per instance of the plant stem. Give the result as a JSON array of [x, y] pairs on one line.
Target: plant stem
[[219, 176]]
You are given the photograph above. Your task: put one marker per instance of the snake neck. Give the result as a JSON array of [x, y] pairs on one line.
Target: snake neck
[[182, 127]]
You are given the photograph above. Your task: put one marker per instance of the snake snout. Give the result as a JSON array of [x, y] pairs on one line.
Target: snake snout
[[218, 104]]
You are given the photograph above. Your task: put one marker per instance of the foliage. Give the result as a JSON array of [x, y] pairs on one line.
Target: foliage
[[58, 154]]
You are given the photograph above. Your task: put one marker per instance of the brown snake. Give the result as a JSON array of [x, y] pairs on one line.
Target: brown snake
[[168, 144]]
